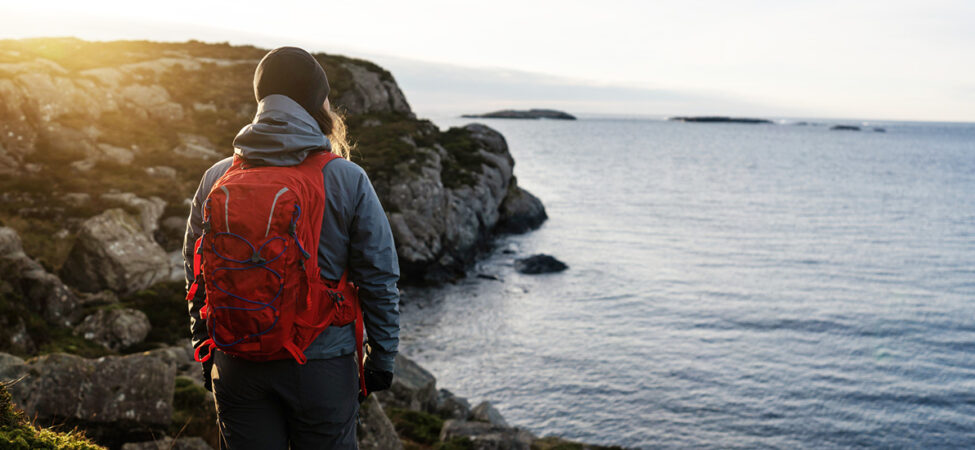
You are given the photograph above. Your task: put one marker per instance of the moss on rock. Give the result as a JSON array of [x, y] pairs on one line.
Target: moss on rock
[[464, 160], [17, 433], [457, 443], [416, 429]]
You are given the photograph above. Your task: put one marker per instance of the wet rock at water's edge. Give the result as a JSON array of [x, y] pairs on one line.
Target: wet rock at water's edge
[[521, 211], [540, 263]]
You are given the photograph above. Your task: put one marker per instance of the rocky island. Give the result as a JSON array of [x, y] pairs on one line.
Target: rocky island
[[719, 119], [102, 144], [524, 114]]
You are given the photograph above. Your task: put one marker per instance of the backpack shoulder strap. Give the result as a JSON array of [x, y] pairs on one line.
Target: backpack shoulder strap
[[317, 161]]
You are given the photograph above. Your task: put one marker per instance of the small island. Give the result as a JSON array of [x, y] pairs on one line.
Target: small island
[[844, 128], [523, 114], [719, 119]]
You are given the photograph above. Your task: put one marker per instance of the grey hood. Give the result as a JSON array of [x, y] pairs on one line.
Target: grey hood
[[282, 134]]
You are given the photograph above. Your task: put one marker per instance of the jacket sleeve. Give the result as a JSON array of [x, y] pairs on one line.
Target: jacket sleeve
[[194, 227], [374, 268]]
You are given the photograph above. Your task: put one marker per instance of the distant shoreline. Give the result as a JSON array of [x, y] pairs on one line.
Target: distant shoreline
[[523, 114], [719, 119]]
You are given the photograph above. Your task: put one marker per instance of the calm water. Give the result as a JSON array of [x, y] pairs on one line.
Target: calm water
[[729, 286]]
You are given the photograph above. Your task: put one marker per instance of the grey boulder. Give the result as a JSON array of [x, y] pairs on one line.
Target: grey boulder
[[11, 368], [375, 431], [115, 398], [413, 387], [115, 329], [450, 406], [113, 252], [485, 436], [150, 209], [521, 211], [373, 91], [486, 412], [41, 291]]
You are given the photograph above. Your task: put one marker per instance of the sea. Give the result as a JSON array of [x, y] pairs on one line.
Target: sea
[[729, 286]]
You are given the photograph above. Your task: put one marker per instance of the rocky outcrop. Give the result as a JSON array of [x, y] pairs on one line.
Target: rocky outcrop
[[180, 356], [450, 406], [37, 94], [194, 146], [150, 209], [373, 91], [115, 328], [375, 431], [112, 251], [44, 292], [486, 412], [446, 208], [135, 126], [116, 398], [485, 436], [524, 114], [540, 263], [150, 101], [169, 112], [520, 211], [413, 387]]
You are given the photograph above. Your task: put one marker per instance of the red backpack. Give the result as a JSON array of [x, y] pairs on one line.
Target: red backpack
[[258, 257]]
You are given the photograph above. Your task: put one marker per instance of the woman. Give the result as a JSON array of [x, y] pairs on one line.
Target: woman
[[283, 403]]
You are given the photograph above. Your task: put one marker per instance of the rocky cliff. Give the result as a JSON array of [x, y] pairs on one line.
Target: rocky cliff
[[102, 144], [85, 127]]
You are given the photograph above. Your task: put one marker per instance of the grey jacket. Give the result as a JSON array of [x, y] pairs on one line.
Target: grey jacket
[[355, 231]]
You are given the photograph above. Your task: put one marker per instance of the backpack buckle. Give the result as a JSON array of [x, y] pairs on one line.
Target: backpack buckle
[[336, 297]]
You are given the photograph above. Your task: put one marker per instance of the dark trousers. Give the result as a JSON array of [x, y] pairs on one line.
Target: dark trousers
[[281, 404]]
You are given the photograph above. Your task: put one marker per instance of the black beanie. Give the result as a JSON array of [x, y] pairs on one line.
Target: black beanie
[[293, 72]]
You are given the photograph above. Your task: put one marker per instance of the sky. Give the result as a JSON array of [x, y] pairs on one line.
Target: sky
[[901, 60]]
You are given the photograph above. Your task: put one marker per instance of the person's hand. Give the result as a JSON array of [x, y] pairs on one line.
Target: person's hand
[[378, 380], [207, 369]]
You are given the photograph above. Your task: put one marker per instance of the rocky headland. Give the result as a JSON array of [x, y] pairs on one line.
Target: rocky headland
[[102, 144], [524, 114]]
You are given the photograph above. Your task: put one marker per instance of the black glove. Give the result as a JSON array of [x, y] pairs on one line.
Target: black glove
[[378, 380], [207, 369]]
